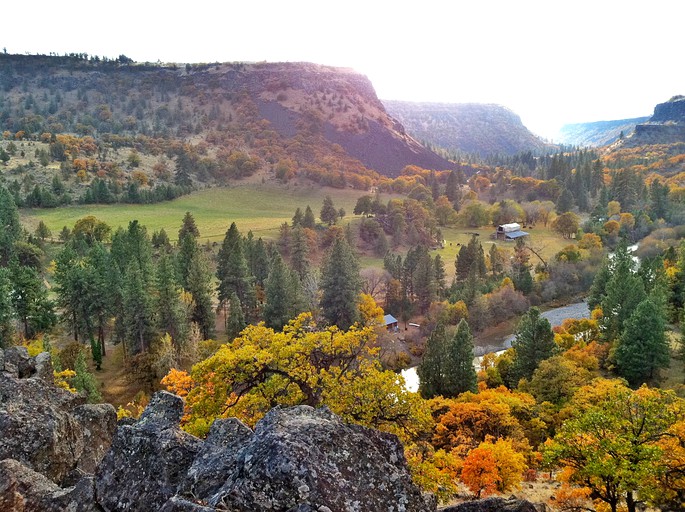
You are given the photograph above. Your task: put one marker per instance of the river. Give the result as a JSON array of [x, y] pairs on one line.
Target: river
[[556, 316]]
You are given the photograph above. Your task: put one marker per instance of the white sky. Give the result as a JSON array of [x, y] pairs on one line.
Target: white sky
[[550, 61]]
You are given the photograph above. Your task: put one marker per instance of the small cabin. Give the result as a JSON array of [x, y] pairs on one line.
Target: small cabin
[[391, 323], [509, 232]]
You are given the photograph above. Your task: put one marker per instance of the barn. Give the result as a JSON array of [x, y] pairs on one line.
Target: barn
[[509, 232]]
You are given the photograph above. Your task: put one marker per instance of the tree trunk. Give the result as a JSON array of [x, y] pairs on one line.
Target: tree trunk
[[630, 502]]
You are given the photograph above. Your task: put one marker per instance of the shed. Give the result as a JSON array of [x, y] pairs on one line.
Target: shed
[[510, 231], [391, 323]]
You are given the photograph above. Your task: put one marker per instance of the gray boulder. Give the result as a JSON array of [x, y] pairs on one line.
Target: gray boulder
[[24, 490], [217, 459], [38, 426], [18, 363], [147, 460], [302, 457]]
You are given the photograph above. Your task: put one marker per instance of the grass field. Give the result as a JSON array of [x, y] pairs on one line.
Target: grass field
[[544, 240], [261, 208]]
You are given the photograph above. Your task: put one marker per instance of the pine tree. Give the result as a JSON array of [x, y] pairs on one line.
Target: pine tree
[[439, 272], [430, 369], [452, 186], [534, 342], [340, 285], [200, 287], [138, 314], [6, 309], [459, 373], [597, 291], [173, 318], [309, 220], [233, 272], [282, 294], [298, 218], [187, 252], [299, 253], [10, 230], [424, 285], [642, 348], [624, 291], [235, 322], [30, 300]]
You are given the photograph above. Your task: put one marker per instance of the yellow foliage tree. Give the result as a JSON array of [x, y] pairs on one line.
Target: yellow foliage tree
[[302, 365], [370, 312]]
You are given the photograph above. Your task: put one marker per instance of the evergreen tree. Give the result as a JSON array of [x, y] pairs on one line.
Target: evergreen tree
[[30, 300], [299, 253], [200, 287], [42, 231], [173, 317], [188, 227], [282, 294], [424, 285], [659, 206], [452, 186], [298, 218], [430, 370], [138, 313], [309, 221], [340, 285], [258, 262], [235, 322], [642, 349], [10, 229], [439, 272], [460, 375], [468, 254], [565, 201], [6, 309], [597, 291], [534, 342], [624, 291], [84, 382], [188, 250], [328, 214], [233, 272]]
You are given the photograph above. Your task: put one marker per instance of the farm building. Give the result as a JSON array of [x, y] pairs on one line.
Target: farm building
[[391, 323], [509, 231]]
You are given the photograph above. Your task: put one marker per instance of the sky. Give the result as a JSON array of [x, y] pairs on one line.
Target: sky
[[550, 61]]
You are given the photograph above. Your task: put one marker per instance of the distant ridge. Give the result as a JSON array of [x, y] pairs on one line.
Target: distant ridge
[[483, 129], [597, 133]]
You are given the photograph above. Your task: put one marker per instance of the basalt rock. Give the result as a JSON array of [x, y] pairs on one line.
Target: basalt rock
[[41, 425], [147, 460], [302, 457], [24, 490]]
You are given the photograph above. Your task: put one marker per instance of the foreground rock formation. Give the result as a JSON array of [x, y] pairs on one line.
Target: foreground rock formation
[[58, 454]]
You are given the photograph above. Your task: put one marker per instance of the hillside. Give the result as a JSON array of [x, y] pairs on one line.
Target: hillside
[[598, 133], [483, 129], [208, 122], [666, 126]]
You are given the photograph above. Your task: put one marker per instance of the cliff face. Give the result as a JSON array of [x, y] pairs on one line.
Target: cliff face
[[482, 129], [223, 105], [599, 133], [673, 111], [666, 126]]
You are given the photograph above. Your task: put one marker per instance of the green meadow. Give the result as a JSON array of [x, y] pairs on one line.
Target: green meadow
[[261, 208]]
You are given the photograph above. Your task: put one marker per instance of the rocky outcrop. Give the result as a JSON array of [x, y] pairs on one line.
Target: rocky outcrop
[[24, 490], [305, 457], [672, 111], [58, 454], [147, 460], [296, 457], [493, 505], [48, 429]]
